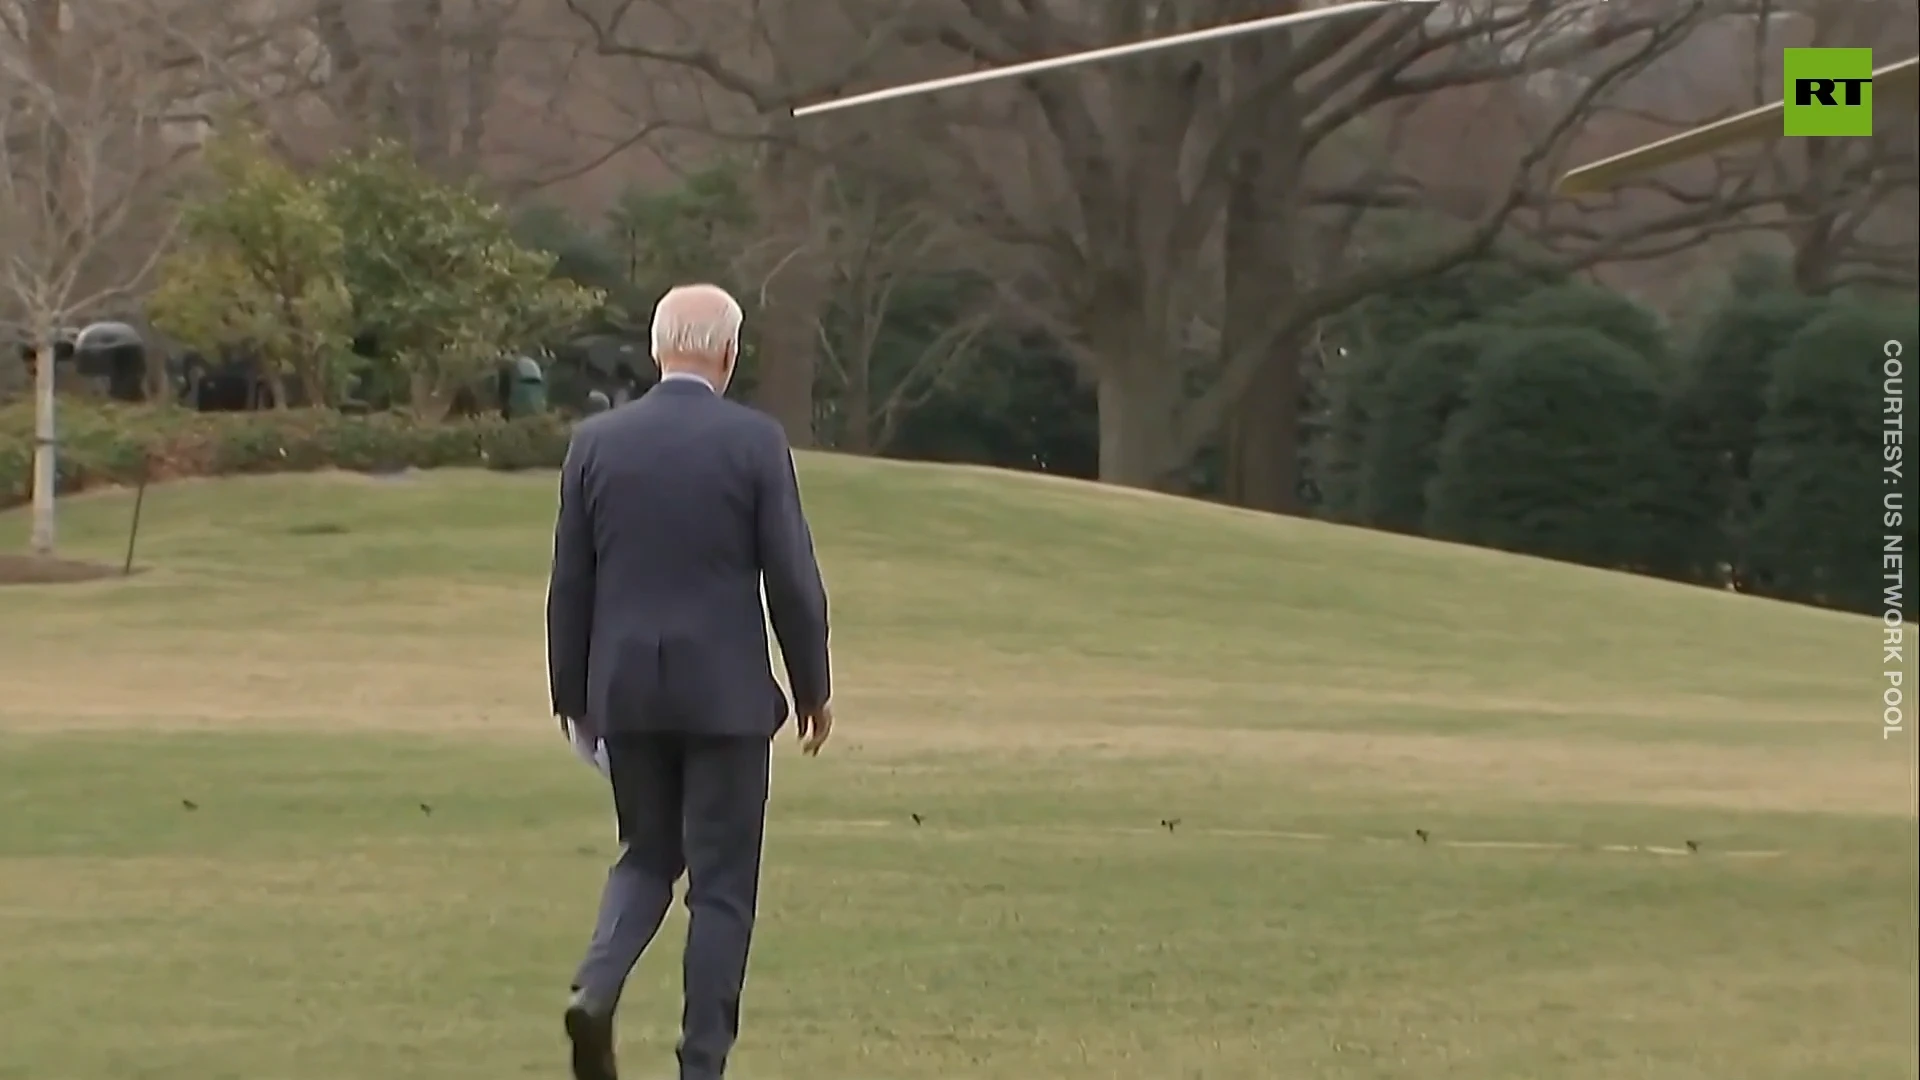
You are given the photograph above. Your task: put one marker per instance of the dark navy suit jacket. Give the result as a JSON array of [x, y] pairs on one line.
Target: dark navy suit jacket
[[674, 509]]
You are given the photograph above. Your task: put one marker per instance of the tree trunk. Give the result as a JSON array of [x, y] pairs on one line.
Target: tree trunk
[[44, 48], [423, 80], [856, 405], [1139, 399], [795, 295], [423, 396], [1262, 431], [785, 387], [313, 386], [158, 383], [1814, 255], [45, 467], [1263, 439], [482, 90]]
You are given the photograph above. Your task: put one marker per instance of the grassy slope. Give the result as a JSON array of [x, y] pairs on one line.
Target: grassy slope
[[1044, 672]]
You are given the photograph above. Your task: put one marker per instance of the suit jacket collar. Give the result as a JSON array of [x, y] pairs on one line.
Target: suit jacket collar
[[682, 386]]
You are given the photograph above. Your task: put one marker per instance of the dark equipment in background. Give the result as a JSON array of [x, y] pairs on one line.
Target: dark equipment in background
[[231, 384], [602, 363], [628, 384], [113, 354], [464, 405], [62, 353], [517, 389], [18, 382]]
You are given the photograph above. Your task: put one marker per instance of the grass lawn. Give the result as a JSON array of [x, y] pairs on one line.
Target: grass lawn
[[288, 805]]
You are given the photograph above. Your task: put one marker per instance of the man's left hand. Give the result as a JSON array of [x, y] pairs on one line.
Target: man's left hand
[[586, 741]]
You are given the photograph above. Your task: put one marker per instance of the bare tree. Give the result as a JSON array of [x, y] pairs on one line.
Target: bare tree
[[84, 150], [505, 90], [1852, 200], [424, 72], [728, 72], [1101, 197], [1288, 142], [510, 91], [1185, 221], [885, 252], [1840, 209]]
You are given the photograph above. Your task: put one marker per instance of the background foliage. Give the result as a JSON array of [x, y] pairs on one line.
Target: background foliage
[[1497, 403]]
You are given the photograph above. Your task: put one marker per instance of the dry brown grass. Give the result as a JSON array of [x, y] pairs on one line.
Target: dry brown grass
[[1040, 672], [448, 680], [35, 570]]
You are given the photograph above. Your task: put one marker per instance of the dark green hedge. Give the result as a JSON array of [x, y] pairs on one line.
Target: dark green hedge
[[1819, 493], [1716, 414], [104, 444], [1419, 394], [1620, 320], [1373, 335], [1557, 451]]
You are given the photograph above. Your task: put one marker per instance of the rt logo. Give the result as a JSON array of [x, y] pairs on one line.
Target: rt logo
[[1829, 91]]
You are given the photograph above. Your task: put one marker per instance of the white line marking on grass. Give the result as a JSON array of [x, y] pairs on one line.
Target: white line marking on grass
[[932, 824]]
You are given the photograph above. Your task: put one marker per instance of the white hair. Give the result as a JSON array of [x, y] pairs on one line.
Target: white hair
[[695, 320]]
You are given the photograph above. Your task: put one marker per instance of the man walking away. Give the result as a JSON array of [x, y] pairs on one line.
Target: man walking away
[[675, 510]]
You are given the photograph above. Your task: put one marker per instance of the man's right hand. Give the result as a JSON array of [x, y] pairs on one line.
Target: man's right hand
[[813, 727]]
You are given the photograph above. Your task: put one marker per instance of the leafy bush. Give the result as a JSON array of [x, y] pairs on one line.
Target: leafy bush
[[1728, 365], [1395, 318], [1593, 307], [261, 264], [1558, 452], [1716, 415], [1417, 396], [296, 266], [1818, 489], [1372, 334], [1350, 388], [105, 444]]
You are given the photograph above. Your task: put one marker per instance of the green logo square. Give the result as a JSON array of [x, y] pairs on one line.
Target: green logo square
[[1829, 91]]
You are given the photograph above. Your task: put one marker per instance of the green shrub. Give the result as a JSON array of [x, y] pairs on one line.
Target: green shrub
[[1420, 391], [1593, 307], [1558, 452], [1371, 335], [1350, 387], [1716, 415], [1727, 367], [1390, 320], [105, 444], [1817, 484]]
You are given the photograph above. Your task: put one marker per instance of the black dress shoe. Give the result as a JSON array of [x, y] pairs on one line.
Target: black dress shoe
[[591, 1033]]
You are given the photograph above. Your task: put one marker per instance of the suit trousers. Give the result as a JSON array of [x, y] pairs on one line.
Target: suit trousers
[[694, 804]]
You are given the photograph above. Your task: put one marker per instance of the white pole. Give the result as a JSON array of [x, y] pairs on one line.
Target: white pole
[[45, 470], [1111, 52]]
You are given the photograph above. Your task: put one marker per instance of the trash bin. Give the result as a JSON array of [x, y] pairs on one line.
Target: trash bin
[[528, 395]]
